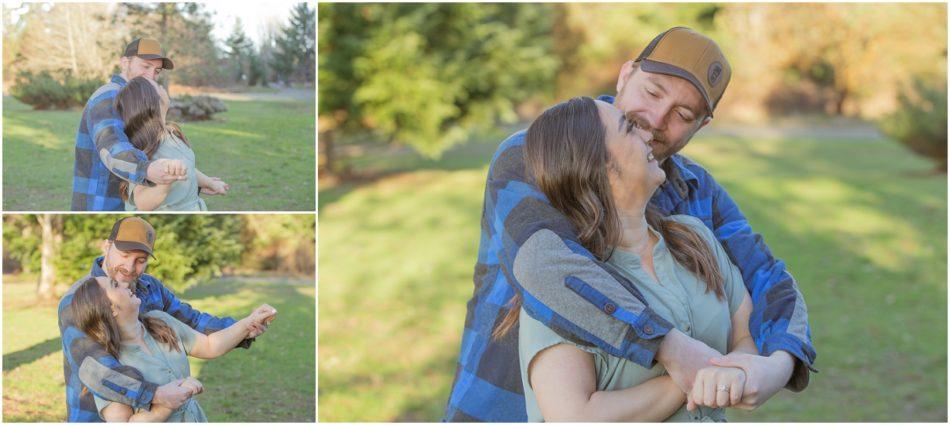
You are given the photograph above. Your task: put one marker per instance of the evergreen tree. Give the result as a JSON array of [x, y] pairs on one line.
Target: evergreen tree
[[240, 49], [294, 55]]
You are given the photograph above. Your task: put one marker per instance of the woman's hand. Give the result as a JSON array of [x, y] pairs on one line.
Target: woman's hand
[[215, 186], [259, 319], [717, 386]]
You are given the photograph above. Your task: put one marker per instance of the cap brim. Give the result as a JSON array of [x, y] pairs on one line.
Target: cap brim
[[667, 69], [133, 246], [166, 62]]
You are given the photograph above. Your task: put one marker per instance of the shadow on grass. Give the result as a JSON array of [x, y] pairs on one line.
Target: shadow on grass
[[273, 381], [28, 355]]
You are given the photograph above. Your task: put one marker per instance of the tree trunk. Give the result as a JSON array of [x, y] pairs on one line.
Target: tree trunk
[[52, 236], [329, 154]]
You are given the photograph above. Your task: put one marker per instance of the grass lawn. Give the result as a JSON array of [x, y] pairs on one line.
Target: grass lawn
[[271, 382], [264, 150], [859, 222]]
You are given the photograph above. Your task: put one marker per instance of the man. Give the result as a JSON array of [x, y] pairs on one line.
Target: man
[[88, 367], [104, 156], [671, 90]]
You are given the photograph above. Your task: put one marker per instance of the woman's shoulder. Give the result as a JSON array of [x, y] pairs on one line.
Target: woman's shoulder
[[693, 223], [159, 314]]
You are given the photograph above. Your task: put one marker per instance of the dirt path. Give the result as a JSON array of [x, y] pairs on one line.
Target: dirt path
[[835, 129]]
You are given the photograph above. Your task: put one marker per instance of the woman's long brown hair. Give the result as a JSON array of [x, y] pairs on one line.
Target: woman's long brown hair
[[92, 311], [566, 153], [140, 106]]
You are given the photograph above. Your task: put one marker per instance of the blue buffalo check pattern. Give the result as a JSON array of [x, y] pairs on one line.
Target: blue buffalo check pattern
[[487, 384], [112, 380], [101, 137]]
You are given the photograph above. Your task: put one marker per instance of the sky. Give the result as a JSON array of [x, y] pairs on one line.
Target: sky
[[255, 15]]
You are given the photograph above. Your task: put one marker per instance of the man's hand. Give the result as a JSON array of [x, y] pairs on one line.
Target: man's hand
[[765, 376], [194, 385], [166, 171], [683, 357], [215, 187], [172, 395]]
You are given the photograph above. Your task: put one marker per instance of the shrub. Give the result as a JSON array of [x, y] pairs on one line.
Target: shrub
[[48, 91], [920, 121], [194, 108]]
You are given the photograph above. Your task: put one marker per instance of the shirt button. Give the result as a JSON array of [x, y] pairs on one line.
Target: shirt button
[[610, 308], [647, 329]]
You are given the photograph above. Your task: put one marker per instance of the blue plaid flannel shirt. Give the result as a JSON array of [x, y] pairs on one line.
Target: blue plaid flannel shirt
[[103, 154], [101, 373], [487, 385]]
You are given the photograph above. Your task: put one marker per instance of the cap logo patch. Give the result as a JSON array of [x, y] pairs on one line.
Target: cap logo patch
[[150, 237], [714, 72]]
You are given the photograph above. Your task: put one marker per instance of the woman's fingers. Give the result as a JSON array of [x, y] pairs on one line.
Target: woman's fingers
[[723, 388], [696, 394], [709, 391], [738, 386]]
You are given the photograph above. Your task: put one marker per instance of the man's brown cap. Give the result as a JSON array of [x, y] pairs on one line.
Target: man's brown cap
[[687, 54], [133, 233], [148, 48]]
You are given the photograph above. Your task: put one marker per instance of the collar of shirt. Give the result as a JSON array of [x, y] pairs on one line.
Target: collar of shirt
[[144, 284], [118, 80]]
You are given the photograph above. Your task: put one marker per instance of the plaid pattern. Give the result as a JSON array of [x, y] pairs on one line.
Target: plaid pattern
[[88, 367], [104, 155], [488, 384]]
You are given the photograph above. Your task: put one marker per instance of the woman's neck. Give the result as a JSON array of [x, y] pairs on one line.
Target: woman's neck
[[636, 236], [130, 329]]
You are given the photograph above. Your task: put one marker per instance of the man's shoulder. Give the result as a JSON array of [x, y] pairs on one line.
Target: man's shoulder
[[105, 92]]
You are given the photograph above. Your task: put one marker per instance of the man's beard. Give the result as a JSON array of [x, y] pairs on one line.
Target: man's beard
[[119, 271], [656, 138]]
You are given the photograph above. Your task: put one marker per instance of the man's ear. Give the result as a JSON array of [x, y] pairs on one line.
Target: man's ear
[[705, 121], [104, 246], [625, 72]]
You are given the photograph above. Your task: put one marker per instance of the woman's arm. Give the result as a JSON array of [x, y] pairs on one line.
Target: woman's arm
[[219, 343], [148, 198], [211, 185], [741, 340], [118, 412], [564, 384]]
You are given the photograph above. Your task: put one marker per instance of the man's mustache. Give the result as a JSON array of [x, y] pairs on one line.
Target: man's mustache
[[643, 124]]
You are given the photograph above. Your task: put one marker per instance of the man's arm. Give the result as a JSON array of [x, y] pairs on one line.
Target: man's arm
[[779, 319], [102, 373], [562, 284], [201, 322], [113, 147]]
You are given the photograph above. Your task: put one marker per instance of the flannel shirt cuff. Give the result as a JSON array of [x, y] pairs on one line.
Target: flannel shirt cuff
[[644, 337], [146, 394], [804, 358]]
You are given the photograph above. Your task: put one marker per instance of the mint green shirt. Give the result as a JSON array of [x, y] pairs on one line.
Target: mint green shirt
[[679, 297], [183, 195], [162, 364]]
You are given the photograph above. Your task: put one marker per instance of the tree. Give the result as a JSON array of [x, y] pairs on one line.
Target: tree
[[240, 50], [294, 54], [426, 75], [185, 32], [52, 227]]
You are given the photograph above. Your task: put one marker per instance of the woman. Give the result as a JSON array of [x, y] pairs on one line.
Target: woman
[[142, 104], [154, 343], [597, 169]]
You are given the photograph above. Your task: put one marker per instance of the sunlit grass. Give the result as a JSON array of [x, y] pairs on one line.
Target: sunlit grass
[[271, 382], [860, 224], [264, 150]]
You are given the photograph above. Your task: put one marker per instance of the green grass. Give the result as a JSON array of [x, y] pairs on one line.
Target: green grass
[[860, 223], [264, 150], [271, 382]]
